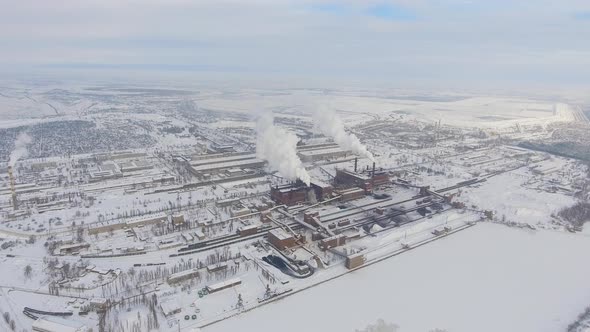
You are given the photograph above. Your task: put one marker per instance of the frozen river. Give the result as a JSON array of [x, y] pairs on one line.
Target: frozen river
[[487, 278]]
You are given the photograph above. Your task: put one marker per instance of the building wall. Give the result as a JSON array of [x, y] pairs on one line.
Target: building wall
[[290, 197], [354, 261], [281, 244], [333, 241], [353, 179], [351, 194]]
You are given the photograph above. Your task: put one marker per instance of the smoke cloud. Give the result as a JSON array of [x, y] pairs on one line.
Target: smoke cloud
[[279, 148], [329, 123], [20, 148]]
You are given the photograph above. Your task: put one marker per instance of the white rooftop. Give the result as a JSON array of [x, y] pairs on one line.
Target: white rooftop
[[230, 164], [322, 152], [280, 234]]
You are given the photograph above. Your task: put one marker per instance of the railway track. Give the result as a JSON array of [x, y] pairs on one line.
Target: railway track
[[34, 313], [227, 240]]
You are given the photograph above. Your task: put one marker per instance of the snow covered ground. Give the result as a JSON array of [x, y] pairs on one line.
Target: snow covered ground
[[487, 278]]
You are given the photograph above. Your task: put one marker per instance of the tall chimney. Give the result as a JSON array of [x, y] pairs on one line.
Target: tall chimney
[[12, 190], [356, 160], [373, 178]]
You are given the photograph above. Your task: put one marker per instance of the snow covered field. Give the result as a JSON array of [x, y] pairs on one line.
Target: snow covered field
[[487, 278]]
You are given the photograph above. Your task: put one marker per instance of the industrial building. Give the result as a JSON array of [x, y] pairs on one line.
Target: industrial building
[[351, 193], [234, 164], [133, 166], [182, 276], [312, 218], [348, 178], [298, 192], [223, 285], [104, 227], [290, 194], [170, 307], [247, 230], [199, 160], [281, 239], [323, 154], [322, 190], [332, 241], [355, 260]]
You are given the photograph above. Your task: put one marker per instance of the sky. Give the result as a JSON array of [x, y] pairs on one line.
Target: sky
[[515, 42]]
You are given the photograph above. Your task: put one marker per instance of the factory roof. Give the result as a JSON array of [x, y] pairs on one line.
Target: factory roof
[[357, 175], [222, 159], [139, 219], [224, 284], [280, 234], [350, 190], [319, 145], [183, 274], [169, 306], [322, 152], [231, 164], [248, 227]]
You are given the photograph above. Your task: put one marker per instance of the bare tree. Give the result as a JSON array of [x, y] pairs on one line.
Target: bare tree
[[28, 271]]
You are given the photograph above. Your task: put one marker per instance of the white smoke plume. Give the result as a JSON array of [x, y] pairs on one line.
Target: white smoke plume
[[20, 148], [279, 148], [329, 123]]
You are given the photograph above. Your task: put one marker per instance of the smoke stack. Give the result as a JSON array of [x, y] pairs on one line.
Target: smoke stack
[[373, 178], [356, 160], [12, 190]]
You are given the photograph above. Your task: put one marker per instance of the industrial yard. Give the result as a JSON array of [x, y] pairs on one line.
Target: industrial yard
[[167, 210]]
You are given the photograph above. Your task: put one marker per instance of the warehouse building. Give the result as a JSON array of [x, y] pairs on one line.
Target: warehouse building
[[322, 190], [141, 221], [351, 194], [223, 285], [290, 194], [199, 160], [182, 276], [281, 239], [355, 260], [348, 178], [332, 241], [223, 164], [322, 154], [170, 307]]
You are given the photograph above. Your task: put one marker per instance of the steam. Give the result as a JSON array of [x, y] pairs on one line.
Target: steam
[[20, 148], [329, 123], [279, 148]]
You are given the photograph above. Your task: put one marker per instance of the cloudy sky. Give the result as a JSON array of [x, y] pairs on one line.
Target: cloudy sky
[[468, 41]]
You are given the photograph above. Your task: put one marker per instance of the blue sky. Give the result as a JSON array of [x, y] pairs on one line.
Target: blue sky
[[469, 42]]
